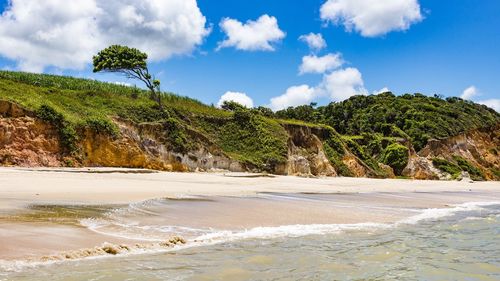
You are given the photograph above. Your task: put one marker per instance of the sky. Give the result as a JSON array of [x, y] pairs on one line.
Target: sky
[[275, 53]]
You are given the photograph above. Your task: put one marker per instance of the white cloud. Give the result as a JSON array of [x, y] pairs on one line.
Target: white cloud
[[294, 96], [65, 35], [238, 97], [469, 93], [314, 41], [381, 91], [337, 86], [491, 103], [259, 35], [315, 64], [343, 83], [372, 17]]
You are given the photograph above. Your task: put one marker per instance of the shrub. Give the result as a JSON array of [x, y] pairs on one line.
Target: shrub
[[232, 106], [176, 136], [475, 173], [446, 166], [103, 127], [243, 116], [396, 156], [67, 133]]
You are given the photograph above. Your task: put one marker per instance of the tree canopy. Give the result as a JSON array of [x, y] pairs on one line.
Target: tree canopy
[[130, 62]]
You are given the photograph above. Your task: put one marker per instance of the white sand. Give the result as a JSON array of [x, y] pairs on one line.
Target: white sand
[[60, 185]]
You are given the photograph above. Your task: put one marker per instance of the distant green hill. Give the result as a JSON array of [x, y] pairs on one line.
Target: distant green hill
[[415, 117]]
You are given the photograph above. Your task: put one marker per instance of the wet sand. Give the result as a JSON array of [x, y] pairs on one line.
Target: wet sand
[[38, 217]]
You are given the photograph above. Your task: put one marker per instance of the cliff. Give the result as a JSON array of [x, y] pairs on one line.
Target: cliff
[[26, 140], [62, 121]]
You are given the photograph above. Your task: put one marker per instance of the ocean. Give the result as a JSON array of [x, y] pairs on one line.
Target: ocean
[[459, 242]]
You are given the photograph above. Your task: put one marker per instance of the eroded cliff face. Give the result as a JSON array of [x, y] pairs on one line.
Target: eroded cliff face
[[306, 155], [28, 141], [479, 147], [143, 146], [25, 140]]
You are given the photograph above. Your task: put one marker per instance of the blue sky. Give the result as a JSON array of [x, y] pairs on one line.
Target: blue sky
[[449, 47]]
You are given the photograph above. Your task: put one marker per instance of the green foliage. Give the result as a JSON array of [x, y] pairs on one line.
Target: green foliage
[[446, 166], [67, 132], [72, 104], [255, 140], [417, 118], [334, 150], [306, 113], [130, 62], [118, 58], [232, 106], [475, 173], [396, 156], [359, 151], [456, 167], [245, 135], [176, 135], [103, 126], [264, 111]]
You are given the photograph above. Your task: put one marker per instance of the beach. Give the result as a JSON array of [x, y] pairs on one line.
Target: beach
[[69, 215]]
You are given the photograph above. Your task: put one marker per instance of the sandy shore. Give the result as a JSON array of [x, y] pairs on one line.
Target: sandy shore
[[116, 186], [236, 201]]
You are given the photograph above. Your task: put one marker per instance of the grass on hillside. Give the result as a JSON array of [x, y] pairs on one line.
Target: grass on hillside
[[95, 96], [73, 103]]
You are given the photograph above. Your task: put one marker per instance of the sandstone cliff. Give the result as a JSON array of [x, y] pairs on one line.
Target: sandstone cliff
[[26, 140]]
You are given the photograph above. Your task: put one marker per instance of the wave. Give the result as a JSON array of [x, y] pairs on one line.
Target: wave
[[211, 236], [438, 213]]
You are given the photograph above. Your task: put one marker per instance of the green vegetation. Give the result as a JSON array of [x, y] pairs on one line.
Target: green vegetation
[[335, 151], [251, 138], [446, 166], [130, 62], [457, 166], [416, 118], [475, 173], [396, 156], [372, 128], [67, 132], [74, 104]]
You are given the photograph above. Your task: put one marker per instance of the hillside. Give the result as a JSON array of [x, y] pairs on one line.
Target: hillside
[[50, 120]]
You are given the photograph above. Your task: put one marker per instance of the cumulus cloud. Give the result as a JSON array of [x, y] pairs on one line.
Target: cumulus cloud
[[337, 86], [315, 64], [469, 93], [238, 97], [258, 35], [314, 41], [343, 84], [294, 96], [66, 35], [372, 18], [491, 103]]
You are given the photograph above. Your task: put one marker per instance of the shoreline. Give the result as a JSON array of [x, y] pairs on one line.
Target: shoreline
[[222, 201]]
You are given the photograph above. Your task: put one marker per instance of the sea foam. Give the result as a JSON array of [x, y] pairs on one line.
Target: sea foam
[[213, 236]]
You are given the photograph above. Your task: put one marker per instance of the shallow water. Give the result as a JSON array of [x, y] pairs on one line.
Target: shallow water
[[457, 243]]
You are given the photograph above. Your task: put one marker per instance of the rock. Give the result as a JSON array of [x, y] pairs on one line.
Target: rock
[[421, 168], [306, 156], [465, 177]]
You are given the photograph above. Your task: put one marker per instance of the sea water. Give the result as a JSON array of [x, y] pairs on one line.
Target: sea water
[[460, 242]]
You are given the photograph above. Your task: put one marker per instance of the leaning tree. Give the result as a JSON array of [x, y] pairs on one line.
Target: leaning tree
[[128, 61]]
